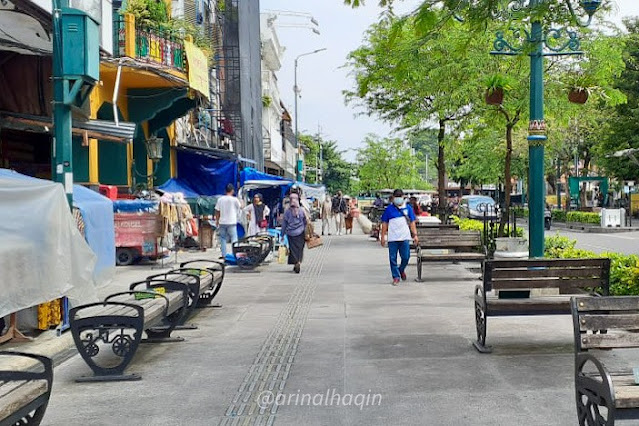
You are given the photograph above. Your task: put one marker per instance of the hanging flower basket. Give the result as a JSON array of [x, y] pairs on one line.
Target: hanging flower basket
[[495, 96], [578, 96]]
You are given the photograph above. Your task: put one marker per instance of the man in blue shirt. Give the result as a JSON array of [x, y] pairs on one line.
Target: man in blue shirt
[[398, 221]]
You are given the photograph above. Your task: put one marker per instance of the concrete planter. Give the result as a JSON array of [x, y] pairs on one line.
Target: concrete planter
[[511, 245], [581, 225]]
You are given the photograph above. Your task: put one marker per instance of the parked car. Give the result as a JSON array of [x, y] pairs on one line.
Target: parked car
[[478, 207]]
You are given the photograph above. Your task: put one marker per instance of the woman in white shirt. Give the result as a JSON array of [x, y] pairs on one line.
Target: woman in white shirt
[[257, 213]]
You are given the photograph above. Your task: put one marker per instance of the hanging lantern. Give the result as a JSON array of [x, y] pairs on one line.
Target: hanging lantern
[[154, 148]]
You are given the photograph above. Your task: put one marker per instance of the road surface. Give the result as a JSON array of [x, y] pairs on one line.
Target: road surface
[[625, 242]]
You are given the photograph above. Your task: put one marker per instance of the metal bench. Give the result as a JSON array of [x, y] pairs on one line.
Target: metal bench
[[118, 322], [212, 269], [605, 323], [518, 281], [24, 395], [466, 246], [251, 251], [203, 277]]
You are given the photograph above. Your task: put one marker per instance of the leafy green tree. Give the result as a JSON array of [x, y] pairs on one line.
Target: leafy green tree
[[623, 123], [416, 81], [447, 44], [337, 172], [424, 144], [387, 163]]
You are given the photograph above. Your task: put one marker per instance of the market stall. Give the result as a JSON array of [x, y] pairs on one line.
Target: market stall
[[43, 256]]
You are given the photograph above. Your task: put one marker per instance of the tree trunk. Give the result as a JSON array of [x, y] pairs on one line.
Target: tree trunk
[[505, 214], [441, 171]]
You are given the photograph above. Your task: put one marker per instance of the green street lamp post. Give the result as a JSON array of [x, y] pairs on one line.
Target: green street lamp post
[[76, 69], [539, 43]]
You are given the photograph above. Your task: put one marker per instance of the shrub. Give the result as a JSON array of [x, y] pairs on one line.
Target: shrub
[[520, 212], [624, 274], [556, 245], [583, 217], [624, 268], [478, 225], [558, 215]]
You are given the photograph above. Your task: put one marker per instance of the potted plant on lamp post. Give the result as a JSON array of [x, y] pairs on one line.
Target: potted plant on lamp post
[[496, 86], [578, 95]]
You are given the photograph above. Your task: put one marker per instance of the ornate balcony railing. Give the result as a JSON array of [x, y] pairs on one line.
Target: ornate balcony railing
[[146, 44]]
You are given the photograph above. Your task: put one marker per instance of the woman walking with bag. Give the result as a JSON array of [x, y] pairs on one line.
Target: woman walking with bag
[[257, 215], [294, 227]]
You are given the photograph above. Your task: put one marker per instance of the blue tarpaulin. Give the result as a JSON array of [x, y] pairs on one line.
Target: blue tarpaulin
[[134, 206], [250, 173], [97, 212], [177, 185], [203, 174]]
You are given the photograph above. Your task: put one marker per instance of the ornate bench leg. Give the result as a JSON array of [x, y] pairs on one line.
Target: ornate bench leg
[[32, 413], [594, 394], [480, 321], [122, 332], [175, 320]]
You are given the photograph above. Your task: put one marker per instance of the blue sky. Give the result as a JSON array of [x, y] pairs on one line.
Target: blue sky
[[321, 77]]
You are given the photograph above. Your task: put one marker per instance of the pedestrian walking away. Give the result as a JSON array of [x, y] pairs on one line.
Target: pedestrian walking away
[[258, 213], [227, 210], [348, 219], [294, 227], [327, 214], [398, 228], [339, 210]]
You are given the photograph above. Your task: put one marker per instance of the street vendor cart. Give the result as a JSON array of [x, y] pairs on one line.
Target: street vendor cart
[[137, 235]]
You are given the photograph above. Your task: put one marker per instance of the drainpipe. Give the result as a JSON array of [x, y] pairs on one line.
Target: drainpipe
[[116, 89]]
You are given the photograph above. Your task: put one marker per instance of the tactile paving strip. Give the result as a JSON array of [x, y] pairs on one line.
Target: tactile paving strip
[[272, 365]]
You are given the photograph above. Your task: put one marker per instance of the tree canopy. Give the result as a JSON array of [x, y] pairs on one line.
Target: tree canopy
[[387, 163], [431, 69]]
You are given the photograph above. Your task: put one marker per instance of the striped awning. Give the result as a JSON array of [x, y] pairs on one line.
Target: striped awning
[[93, 129]]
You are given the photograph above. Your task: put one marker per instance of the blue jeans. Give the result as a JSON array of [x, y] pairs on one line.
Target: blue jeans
[[225, 233], [403, 247]]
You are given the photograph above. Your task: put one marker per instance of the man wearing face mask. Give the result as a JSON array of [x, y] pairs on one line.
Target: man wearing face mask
[[398, 228]]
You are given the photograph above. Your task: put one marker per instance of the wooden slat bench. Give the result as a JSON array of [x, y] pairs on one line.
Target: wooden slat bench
[[24, 395], [436, 226], [466, 246], [518, 279], [119, 321], [605, 323]]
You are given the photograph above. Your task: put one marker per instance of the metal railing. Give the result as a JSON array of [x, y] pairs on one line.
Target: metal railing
[[153, 45]]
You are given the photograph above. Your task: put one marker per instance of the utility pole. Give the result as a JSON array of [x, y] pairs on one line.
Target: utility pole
[[320, 166], [76, 68], [296, 89], [62, 159]]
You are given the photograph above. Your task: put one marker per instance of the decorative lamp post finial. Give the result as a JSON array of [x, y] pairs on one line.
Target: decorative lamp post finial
[[590, 6]]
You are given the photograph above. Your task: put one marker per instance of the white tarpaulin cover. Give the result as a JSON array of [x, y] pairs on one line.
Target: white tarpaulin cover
[[313, 191], [42, 254]]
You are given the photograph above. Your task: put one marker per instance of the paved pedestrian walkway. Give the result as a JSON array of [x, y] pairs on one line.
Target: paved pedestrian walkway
[[338, 345]]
